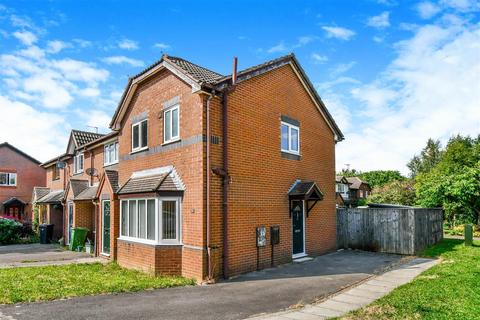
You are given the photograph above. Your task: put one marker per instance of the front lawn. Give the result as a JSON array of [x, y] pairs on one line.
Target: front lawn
[[449, 290], [55, 282]]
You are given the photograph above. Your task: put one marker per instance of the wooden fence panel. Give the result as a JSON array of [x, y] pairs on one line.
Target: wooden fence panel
[[391, 230]]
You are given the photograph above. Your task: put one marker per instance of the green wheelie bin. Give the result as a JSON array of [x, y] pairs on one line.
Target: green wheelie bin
[[79, 235]]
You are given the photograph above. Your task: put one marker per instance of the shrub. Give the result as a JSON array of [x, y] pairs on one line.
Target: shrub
[[10, 231], [458, 230]]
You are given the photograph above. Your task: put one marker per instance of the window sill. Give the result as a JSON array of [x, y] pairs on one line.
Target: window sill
[[149, 243], [77, 173], [139, 150], [290, 155], [171, 142], [109, 164], [11, 187]]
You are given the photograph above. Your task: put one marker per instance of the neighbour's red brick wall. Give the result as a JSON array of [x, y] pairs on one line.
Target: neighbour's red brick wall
[[261, 178], [29, 174]]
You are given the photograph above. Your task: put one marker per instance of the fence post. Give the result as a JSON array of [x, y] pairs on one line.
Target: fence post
[[468, 234]]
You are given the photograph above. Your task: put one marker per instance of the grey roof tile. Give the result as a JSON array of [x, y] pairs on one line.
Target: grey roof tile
[[84, 137], [78, 186], [54, 196], [167, 181], [89, 193], [39, 192], [112, 176]]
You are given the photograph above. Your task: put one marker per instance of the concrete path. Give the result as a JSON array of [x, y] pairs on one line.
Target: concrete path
[[266, 291], [35, 255], [358, 296]]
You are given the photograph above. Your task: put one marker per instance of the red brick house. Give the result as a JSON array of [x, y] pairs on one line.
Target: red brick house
[[207, 166], [19, 173], [359, 189]]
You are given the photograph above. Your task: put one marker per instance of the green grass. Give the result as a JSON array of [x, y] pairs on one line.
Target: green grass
[[449, 290], [54, 282]]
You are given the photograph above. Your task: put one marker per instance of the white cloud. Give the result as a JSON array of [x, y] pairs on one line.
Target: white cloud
[[51, 94], [161, 46], [380, 21], [56, 46], [41, 134], [90, 92], [318, 58], [77, 70], [33, 52], [427, 9], [341, 68], [82, 43], [432, 89], [95, 118], [25, 37], [339, 32], [123, 60], [280, 47], [128, 44]]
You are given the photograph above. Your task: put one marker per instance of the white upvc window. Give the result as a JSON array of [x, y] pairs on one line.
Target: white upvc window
[[110, 153], [78, 163], [290, 138], [151, 220], [8, 179], [171, 124], [140, 135]]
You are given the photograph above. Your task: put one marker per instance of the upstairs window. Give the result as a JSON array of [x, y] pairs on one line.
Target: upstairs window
[[290, 138], [8, 179], [140, 135], [56, 172], [78, 163], [171, 124], [110, 153]]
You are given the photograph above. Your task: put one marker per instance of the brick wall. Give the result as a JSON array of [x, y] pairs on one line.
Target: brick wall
[[260, 177], [29, 174]]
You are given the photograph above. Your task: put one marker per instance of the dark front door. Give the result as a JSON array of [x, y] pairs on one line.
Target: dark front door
[[106, 227], [298, 228], [70, 221]]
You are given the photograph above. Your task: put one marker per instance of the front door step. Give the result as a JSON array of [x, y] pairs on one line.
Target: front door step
[[303, 259]]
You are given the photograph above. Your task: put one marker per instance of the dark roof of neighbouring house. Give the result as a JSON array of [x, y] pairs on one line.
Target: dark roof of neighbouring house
[[89, 193], [340, 179], [165, 181], [355, 182], [39, 192], [83, 137], [214, 80], [305, 190], [13, 200], [112, 176], [20, 152], [78, 186], [54, 196]]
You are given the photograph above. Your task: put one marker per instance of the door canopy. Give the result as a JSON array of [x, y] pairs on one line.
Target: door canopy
[[308, 191]]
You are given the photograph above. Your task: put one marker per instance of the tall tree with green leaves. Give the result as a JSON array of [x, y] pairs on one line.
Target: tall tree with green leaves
[[378, 178], [395, 192], [428, 158]]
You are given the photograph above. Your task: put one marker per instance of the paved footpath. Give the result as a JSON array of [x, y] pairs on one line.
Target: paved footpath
[[358, 296]]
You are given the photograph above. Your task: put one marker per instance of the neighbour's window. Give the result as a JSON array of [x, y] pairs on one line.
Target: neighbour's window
[[78, 163], [366, 194], [361, 193], [139, 135], [290, 138], [8, 179], [110, 153], [150, 220], [56, 172], [171, 124]]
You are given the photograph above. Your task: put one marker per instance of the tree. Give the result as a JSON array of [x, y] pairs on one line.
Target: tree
[[379, 178], [349, 173], [429, 157], [395, 192], [454, 183]]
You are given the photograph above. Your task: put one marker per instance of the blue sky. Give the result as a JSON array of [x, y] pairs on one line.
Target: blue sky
[[393, 73]]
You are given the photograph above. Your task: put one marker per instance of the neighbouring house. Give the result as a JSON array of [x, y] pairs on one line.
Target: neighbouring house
[[19, 173], [342, 190], [205, 166], [359, 189]]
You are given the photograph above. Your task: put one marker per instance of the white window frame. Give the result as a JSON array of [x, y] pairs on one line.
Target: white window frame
[[76, 162], [9, 176], [107, 161], [158, 221], [139, 124], [165, 111], [290, 127]]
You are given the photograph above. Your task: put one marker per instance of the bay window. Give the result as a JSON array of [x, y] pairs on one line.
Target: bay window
[[8, 179], [171, 124], [150, 220], [110, 153], [290, 138], [140, 135]]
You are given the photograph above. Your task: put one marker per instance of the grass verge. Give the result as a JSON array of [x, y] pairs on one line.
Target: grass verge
[[29, 284], [449, 290]]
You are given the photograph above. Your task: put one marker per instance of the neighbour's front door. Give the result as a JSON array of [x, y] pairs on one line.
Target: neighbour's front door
[[106, 227], [298, 227], [70, 221]]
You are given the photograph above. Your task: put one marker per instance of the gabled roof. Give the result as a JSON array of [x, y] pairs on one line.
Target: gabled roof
[[54, 196], [14, 200], [305, 190], [83, 137], [39, 192], [89, 193], [341, 179], [201, 78], [78, 186], [20, 152], [112, 177], [355, 182]]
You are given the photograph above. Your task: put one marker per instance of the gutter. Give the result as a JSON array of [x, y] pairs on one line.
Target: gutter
[[208, 164]]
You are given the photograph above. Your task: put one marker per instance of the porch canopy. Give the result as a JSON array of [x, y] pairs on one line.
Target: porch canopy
[[53, 197], [306, 190], [14, 202]]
